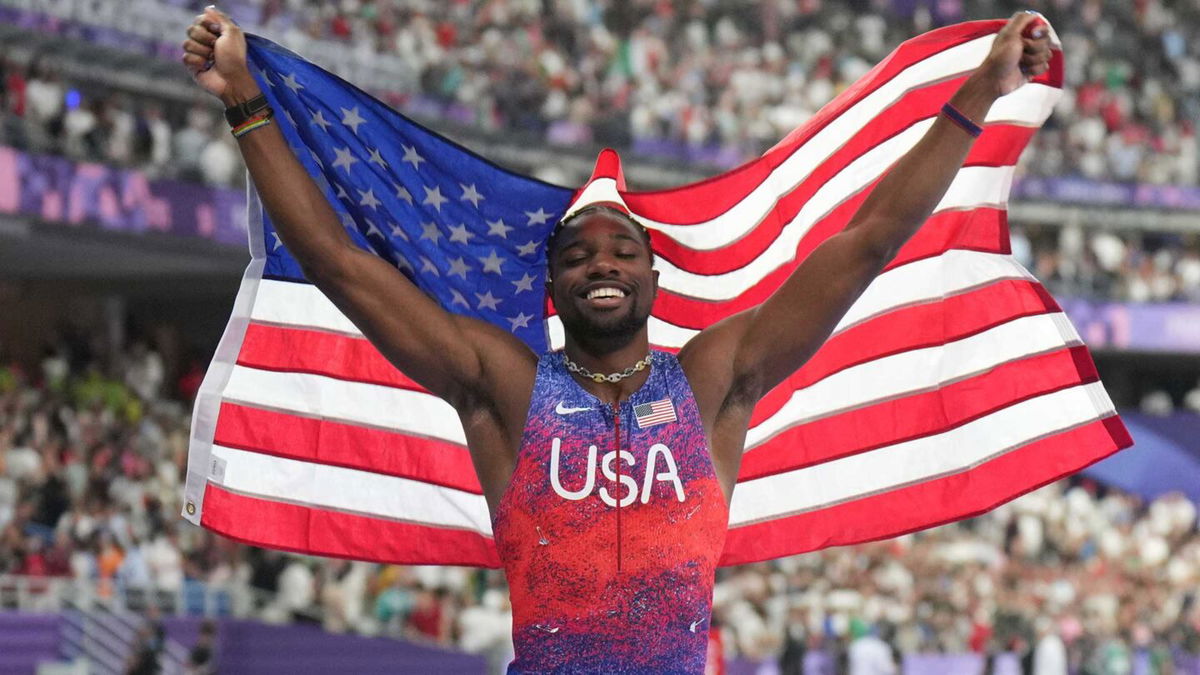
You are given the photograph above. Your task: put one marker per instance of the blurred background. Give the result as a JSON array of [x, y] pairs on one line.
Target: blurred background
[[122, 242]]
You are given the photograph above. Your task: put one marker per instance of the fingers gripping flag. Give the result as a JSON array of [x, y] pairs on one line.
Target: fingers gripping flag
[[955, 383]]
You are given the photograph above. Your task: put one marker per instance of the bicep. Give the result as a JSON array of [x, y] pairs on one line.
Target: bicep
[[441, 351]]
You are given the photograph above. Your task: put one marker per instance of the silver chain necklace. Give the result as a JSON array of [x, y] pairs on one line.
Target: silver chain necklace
[[611, 377]]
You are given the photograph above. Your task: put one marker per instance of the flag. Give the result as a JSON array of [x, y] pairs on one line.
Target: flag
[[654, 413], [953, 384]]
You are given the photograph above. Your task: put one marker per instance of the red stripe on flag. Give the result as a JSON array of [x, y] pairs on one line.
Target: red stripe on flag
[[916, 416], [317, 352], [983, 229], [347, 445], [931, 503], [313, 531], [927, 325]]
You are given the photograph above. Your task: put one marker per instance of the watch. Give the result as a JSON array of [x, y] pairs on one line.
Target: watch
[[238, 114]]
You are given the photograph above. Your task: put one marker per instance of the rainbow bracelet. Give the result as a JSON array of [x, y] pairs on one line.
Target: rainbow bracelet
[[256, 122], [962, 120]]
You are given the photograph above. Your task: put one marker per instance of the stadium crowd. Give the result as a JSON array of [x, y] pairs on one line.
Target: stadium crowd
[[709, 82], [1102, 264], [88, 121], [93, 451]]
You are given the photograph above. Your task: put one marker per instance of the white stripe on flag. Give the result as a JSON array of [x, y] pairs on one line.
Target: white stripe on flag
[[911, 372], [929, 279], [351, 490], [299, 305], [371, 405], [917, 460]]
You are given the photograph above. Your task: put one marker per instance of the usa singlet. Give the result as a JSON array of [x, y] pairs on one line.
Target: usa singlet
[[611, 528]]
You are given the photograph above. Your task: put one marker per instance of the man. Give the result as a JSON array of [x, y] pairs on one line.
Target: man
[[611, 572]]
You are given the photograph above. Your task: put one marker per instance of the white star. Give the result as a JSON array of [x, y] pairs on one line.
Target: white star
[[291, 120], [492, 263], [470, 194], [278, 242], [369, 199], [498, 228], [404, 266], [318, 118], [345, 158], [372, 229], [411, 156], [352, 119], [461, 234], [316, 157], [519, 321], [487, 300], [377, 158], [431, 232], [538, 217], [428, 266], [525, 283], [290, 81], [403, 193], [341, 193], [434, 197], [398, 231], [269, 81], [348, 222], [458, 266], [458, 299], [529, 248]]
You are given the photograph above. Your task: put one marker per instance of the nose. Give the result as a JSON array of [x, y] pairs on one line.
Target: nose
[[602, 265]]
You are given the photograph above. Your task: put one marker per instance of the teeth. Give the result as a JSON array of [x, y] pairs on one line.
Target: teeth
[[605, 293]]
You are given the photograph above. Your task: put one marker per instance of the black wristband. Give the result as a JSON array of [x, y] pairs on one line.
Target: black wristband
[[243, 111]]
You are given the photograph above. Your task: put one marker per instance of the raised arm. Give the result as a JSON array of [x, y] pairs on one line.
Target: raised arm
[[761, 347], [447, 354]]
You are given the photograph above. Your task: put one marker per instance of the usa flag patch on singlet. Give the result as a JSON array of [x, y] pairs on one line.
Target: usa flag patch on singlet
[[654, 412]]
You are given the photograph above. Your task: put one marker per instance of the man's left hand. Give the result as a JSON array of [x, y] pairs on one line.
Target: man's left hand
[[1020, 53]]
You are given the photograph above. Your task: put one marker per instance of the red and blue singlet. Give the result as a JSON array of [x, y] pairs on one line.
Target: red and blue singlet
[[611, 528]]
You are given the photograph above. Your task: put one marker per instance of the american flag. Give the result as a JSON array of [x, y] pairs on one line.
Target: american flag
[[954, 384], [654, 413]]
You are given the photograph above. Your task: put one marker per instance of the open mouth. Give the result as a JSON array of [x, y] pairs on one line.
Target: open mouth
[[604, 297]]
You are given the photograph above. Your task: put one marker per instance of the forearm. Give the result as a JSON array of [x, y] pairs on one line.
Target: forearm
[[301, 214], [915, 184]]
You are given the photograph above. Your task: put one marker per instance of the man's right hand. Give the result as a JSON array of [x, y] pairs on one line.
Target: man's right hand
[[215, 53]]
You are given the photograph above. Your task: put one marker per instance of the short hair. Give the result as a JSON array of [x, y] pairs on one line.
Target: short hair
[[552, 241]]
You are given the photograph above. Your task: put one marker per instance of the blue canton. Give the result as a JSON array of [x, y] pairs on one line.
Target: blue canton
[[469, 233]]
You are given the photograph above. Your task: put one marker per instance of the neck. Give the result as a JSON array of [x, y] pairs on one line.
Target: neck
[[607, 355], [610, 357]]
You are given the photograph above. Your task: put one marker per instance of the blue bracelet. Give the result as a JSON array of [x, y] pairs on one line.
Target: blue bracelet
[[962, 120]]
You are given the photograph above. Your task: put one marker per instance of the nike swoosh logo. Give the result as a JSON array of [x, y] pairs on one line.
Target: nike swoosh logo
[[563, 410]]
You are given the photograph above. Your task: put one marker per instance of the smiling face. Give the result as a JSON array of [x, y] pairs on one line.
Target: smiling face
[[601, 279]]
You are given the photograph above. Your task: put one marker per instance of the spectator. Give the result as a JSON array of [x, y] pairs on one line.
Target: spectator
[[868, 655], [191, 142]]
